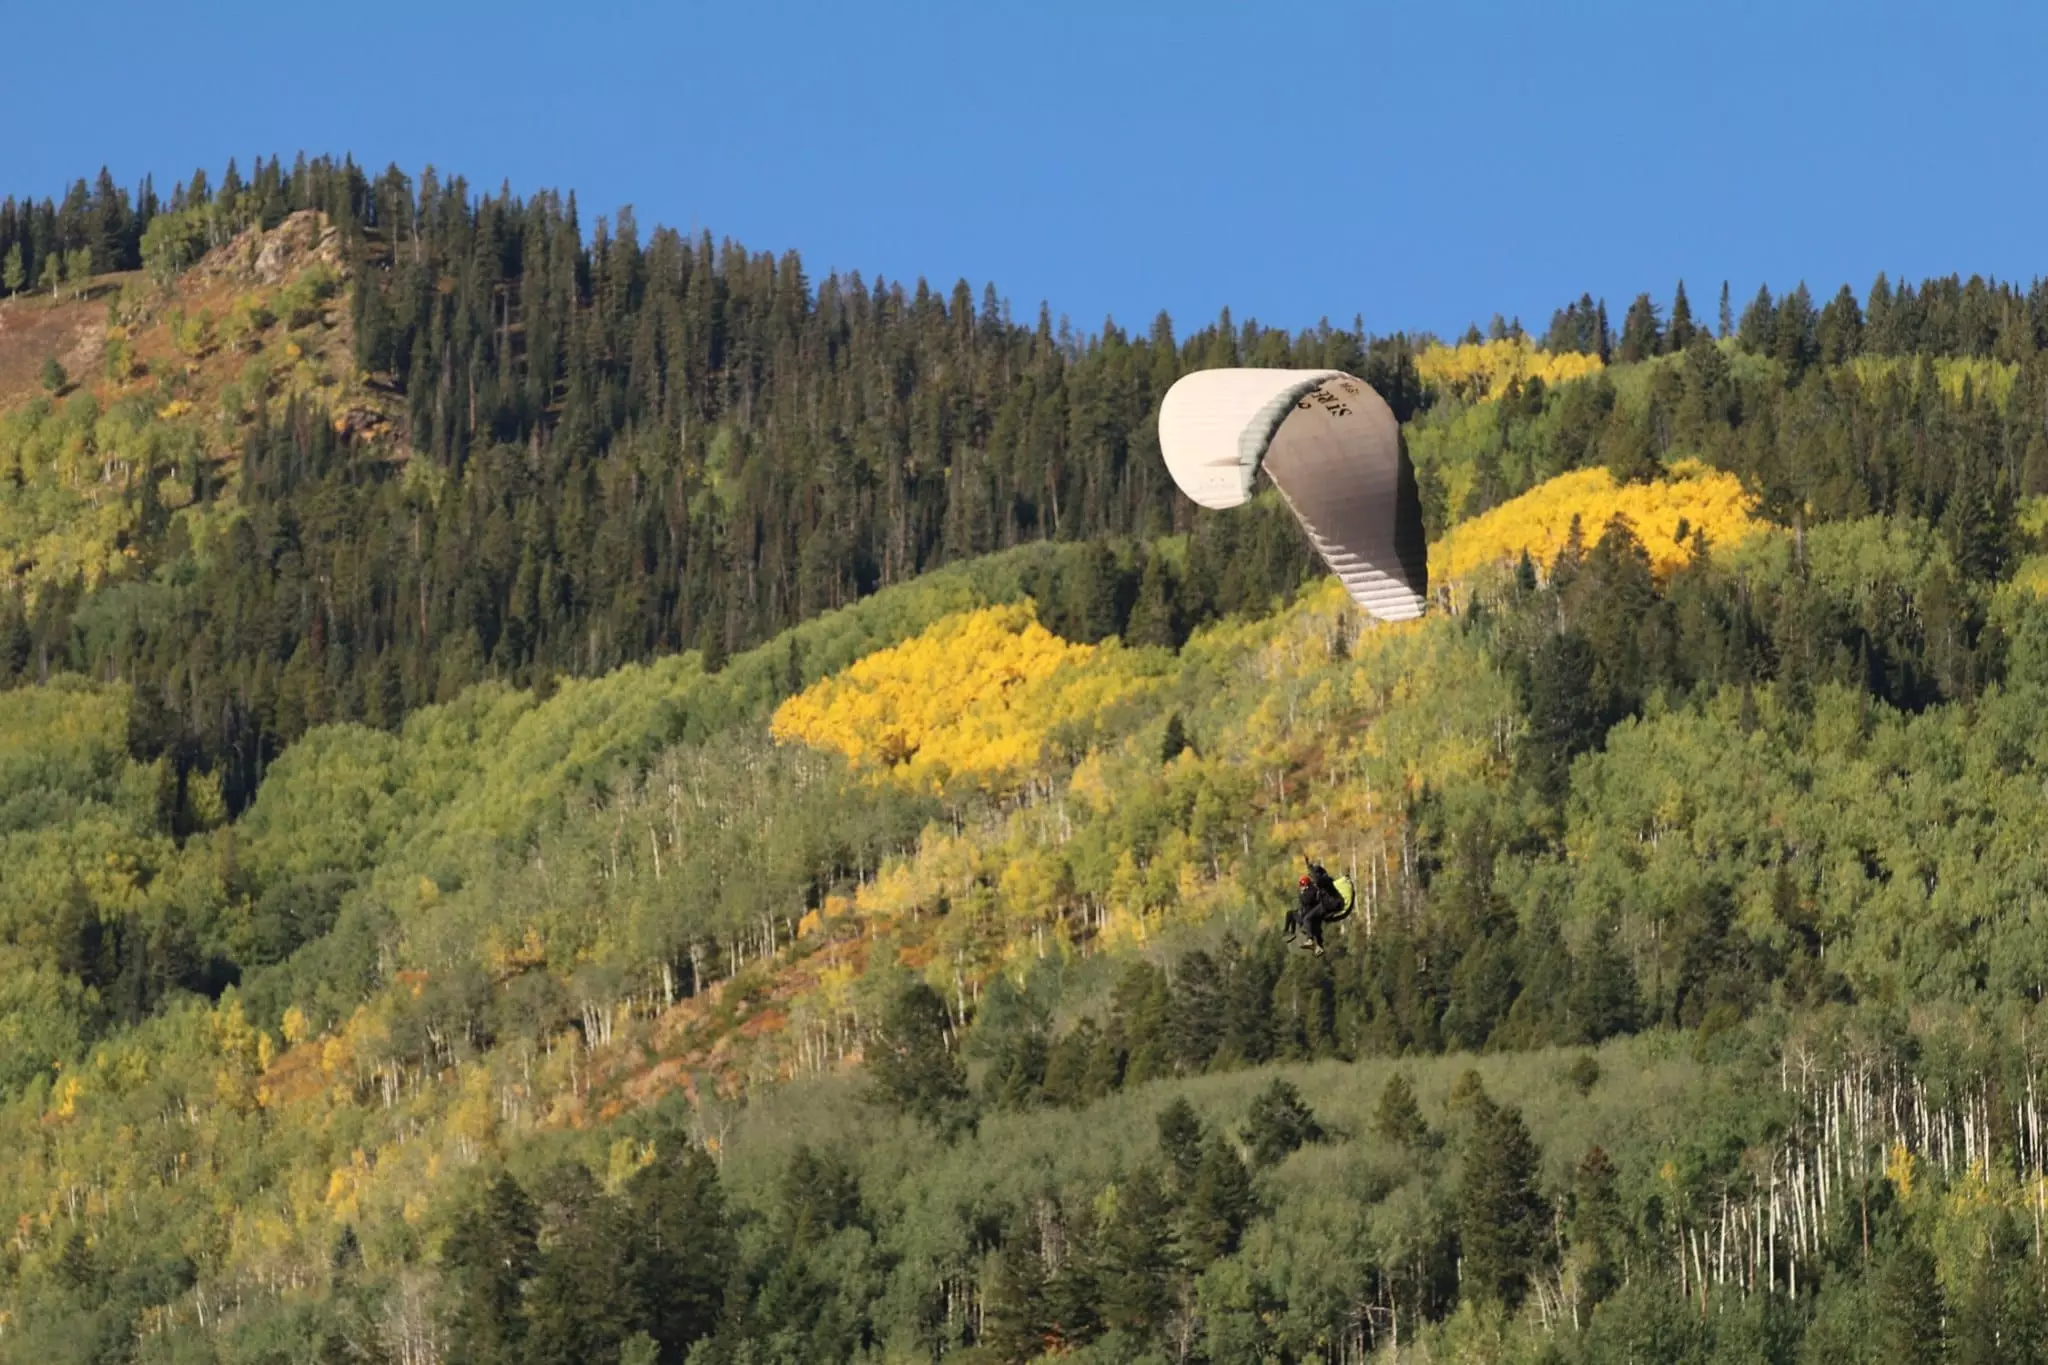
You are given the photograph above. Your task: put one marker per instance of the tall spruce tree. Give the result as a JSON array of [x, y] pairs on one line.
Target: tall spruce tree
[[1502, 1214], [491, 1251], [1280, 1123], [912, 1064], [1679, 333], [1398, 1117], [1908, 1307], [1641, 334], [683, 1245]]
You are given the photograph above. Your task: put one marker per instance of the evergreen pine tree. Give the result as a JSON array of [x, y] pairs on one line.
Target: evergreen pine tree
[[1073, 1286], [1218, 1206], [1090, 609], [1019, 1319], [1136, 1256], [345, 1261], [12, 274], [109, 231], [1398, 1118], [489, 1254], [1565, 713], [1067, 1079], [1979, 520], [1641, 336], [78, 1268], [817, 1196], [1180, 1142], [1792, 338], [1489, 486], [1678, 335], [1015, 1078], [1727, 316], [1839, 335], [1155, 615], [581, 1301], [1907, 1306], [1603, 989], [1879, 324], [1248, 1022], [1501, 1211], [1175, 741], [1759, 328], [1280, 1123], [912, 1065], [1109, 1058], [1196, 1011], [1435, 500], [683, 1246]]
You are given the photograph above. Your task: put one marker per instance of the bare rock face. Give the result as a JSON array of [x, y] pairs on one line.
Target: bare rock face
[[87, 348], [274, 256]]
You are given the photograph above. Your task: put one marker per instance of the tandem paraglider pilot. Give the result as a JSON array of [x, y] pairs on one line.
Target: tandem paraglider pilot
[[1322, 900]]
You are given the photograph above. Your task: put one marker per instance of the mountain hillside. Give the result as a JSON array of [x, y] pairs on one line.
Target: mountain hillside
[[571, 800]]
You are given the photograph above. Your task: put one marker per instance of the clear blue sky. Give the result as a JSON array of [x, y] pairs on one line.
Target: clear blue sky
[[1421, 164]]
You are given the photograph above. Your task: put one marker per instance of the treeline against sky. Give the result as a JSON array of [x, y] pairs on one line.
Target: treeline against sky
[[622, 447]]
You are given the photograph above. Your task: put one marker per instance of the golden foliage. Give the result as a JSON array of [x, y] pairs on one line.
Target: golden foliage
[[1899, 1169], [1988, 379], [976, 696], [2031, 576], [1479, 370], [1540, 520]]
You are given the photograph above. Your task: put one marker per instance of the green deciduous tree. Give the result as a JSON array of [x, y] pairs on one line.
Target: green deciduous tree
[[78, 270]]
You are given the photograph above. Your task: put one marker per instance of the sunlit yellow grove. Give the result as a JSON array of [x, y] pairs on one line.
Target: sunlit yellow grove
[[1479, 370], [976, 697], [1664, 514]]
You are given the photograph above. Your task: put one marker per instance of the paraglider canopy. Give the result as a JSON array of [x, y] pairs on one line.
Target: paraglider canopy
[[1333, 449]]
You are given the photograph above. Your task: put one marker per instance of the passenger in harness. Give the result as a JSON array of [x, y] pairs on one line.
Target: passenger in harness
[[1322, 900]]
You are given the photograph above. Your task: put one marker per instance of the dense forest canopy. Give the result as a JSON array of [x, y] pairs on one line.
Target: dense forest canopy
[[571, 798], [619, 449]]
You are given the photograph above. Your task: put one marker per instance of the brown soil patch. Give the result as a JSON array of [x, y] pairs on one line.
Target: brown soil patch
[[34, 327]]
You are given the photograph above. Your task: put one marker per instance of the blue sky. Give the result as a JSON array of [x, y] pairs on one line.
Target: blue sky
[[1421, 165]]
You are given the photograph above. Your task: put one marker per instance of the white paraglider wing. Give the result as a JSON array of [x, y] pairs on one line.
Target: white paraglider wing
[[1333, 449]]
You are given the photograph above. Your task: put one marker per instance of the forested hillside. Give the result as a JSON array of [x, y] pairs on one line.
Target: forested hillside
[[571, 799]]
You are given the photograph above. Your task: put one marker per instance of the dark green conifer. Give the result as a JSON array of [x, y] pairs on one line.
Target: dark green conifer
[[1280, 1123], [1502, 1215]]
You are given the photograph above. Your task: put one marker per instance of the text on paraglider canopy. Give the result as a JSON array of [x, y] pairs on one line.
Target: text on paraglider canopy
[[1320, 396]]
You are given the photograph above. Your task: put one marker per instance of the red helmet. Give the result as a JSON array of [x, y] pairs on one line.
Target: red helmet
[[1304, 879]]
